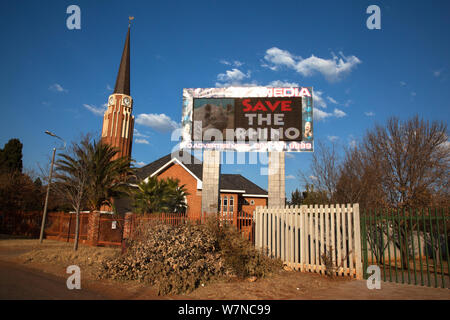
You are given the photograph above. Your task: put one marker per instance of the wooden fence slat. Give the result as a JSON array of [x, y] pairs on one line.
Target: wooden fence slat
[[344, 237], [278, 229], [311, 243], [338, 237], [321, 251], [357, 233], [350, 248], [302, 238], [293, 236]]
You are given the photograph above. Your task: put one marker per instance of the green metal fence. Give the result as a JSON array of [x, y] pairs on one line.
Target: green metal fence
[[409, 245]]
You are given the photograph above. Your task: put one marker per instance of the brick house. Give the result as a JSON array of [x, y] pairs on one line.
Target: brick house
[[237, 193]]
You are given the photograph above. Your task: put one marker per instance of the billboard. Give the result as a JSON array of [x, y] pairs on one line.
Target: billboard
[[248, 119]]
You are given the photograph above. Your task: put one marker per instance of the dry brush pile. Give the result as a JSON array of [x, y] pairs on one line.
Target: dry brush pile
[[178, 259]]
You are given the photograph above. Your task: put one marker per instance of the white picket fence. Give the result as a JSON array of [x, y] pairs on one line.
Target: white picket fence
[[299, 235]]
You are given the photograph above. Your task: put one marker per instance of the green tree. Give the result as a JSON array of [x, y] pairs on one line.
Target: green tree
[[160, 195], [108, 177], [296, 198], [312, 196], [11, 156]]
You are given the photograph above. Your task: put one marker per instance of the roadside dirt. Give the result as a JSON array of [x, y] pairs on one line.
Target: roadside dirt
[[53, 258]]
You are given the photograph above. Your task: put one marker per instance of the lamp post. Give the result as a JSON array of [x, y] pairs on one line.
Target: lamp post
[[44, 216]]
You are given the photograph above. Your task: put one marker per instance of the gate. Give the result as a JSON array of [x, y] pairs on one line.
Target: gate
[[110, 230], [409, 245]]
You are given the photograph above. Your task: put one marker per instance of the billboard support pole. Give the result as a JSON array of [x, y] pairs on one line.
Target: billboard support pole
[[276, 175], [210, 181]]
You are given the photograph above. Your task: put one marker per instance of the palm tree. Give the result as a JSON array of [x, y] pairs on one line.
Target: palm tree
[[160, 195], [108, 177]]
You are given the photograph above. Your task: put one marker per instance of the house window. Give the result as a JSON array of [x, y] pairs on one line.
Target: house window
[[225, 204], [252, 202], [231, 204]]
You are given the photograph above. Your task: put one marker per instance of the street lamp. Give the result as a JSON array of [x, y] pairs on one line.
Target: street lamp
[[49, 182]]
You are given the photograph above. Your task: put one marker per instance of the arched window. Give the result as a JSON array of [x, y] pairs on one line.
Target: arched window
[[225, 204]]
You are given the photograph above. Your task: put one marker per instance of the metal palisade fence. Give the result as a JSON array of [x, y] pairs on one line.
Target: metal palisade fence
[[409, 245], [324, 239]]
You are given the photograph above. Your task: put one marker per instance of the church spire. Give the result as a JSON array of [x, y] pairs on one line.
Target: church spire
[[123, 77]]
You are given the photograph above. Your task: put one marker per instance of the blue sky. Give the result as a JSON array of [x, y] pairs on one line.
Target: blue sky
[[58, 79]]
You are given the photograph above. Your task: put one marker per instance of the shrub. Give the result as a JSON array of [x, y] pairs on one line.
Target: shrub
[[177, 259]]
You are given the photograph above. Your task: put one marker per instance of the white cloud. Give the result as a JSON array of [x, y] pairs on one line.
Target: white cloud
[[98, 111], [319, 101], [339, 113], [332, 100], [158, 122], [333, 138], [141, 141], [57, 88], [108, 87], [369, 114], [437, 73], [280, 57], [140, 164], [332, 69], [413, 94], [234, 63], [402, 83], [233, 76], [290, 177], [136, 133], [321, 115], [348, 102], [282, 84], [313, 177]]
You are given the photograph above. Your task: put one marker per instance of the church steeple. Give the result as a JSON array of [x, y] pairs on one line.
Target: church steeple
[[118, 121], [123, 77]]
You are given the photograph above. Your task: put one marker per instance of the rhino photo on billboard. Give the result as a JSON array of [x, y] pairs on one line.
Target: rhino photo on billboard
[[248, 119]]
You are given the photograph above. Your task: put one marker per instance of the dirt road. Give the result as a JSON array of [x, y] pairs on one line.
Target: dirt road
[[19, 283]]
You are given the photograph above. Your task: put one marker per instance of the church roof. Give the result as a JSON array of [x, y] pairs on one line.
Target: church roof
[[123, 77]]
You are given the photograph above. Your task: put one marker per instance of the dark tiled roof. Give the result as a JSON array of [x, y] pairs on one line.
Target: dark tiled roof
[[238, 182], [227, 181]]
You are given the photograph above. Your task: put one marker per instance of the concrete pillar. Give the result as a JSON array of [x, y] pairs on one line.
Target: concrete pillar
[[210, 180], [276, 186]]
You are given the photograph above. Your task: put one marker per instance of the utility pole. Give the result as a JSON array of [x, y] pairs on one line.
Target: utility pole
[[46, 197], [44, 216]]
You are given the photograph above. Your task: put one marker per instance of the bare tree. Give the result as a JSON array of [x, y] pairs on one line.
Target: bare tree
[[324, 171], [72, 173], [359, 179], [412, 162]]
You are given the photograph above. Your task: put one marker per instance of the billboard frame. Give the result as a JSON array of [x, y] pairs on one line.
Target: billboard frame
[[304, 145]]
